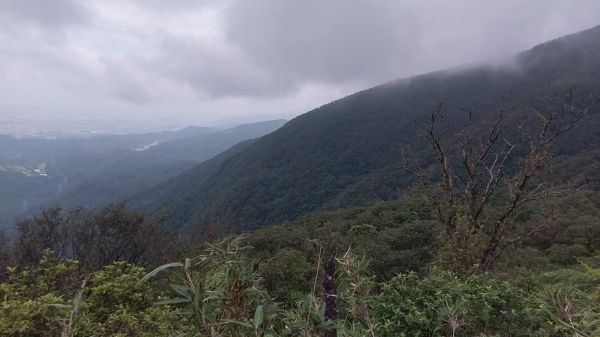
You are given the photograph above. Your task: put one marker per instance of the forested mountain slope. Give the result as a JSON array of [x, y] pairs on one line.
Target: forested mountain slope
[[348, 152], [94, 171]]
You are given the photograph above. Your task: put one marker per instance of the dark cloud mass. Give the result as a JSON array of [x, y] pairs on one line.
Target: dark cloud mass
[[206, 60]]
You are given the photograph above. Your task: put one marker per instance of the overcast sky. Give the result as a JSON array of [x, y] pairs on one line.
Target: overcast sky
[[201, 61]]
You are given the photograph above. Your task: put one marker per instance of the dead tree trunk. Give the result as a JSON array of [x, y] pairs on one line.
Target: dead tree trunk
[[330, 287]]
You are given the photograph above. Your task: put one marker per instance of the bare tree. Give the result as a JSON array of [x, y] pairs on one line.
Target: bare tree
[[5, 254], [487, 171], [116, 234], [94, 239], [45, 231]]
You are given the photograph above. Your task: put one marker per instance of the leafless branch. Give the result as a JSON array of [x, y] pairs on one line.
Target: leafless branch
[[475, 165]]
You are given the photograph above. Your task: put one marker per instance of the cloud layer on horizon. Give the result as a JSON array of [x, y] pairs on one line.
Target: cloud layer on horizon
[[205, 60]]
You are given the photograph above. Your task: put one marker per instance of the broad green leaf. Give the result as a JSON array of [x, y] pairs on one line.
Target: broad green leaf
[[177, 300], [197, 318], [158, 270], [258, 316], [322, 313], [182, 290], [244, 324], [59, 306]]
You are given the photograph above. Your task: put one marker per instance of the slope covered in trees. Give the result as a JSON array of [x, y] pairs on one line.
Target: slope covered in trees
[[94, 171], [348, 152], [80, 273]]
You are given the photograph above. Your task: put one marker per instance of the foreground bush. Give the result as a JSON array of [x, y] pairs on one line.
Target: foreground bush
[[49, 300], [442, 304], [221, 293]]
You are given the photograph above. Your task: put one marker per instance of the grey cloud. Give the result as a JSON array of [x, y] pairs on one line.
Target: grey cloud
[[328, 41], [213, 71], [373, 41], [124, 83], [278, 55], [45, 13], [174, 5]]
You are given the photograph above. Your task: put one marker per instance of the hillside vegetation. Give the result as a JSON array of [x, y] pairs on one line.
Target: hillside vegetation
[[348, 152], [390, 273], [94, 171]]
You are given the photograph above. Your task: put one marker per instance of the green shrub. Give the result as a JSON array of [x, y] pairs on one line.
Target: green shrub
[[285, 273], [565, 255], [442, 304], [39, 301]]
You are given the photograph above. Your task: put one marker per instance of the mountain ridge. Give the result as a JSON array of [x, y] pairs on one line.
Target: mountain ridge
[[347, 152], [94, 172]]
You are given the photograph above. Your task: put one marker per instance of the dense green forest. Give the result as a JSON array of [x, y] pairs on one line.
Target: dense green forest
[[78, 273], [348, 152], [96, 170]]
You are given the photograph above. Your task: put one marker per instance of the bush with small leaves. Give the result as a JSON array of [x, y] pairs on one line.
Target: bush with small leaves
[[442, 304]]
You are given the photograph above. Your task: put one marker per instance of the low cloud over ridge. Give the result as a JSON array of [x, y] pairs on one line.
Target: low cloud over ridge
[[197, 61]]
